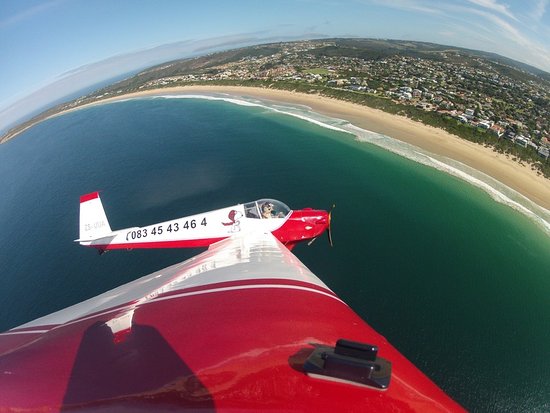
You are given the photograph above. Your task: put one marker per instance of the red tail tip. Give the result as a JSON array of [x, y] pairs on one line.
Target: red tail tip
[[88, 197]]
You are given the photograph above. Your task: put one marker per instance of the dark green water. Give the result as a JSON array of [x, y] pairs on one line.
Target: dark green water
[[457, 282]]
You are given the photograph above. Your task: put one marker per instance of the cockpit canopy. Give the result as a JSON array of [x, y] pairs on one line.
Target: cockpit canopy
[[266, 208]]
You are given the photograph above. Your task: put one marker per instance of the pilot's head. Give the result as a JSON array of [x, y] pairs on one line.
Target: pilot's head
[[267, 207]]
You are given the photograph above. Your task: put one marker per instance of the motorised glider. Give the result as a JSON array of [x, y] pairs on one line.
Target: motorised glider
[[201, 230], [243, 326]]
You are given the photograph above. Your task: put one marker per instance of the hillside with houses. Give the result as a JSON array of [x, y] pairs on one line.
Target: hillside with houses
[[482, 97]]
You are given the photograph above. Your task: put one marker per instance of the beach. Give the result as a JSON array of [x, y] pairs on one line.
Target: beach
[[516, 176]]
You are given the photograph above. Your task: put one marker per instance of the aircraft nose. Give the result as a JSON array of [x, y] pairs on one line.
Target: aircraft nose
[[316, 221], [323, 219], [304, 224]]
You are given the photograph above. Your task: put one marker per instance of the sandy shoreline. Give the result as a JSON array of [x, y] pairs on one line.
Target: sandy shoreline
[[434, 140]]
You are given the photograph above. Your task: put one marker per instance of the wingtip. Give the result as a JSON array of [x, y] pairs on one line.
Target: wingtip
[[88, 197]]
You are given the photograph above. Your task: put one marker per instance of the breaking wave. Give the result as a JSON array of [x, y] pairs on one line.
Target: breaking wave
[[497, 190]]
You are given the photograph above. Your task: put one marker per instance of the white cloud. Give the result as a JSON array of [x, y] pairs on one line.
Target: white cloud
[[497, 23], [29, 13], [494, 5], [539, 10], [519, 46], [406, 5]]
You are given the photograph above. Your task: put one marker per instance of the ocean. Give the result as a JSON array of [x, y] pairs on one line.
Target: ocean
[[451, 267]]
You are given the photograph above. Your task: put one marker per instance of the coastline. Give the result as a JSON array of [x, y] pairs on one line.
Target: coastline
[[520, 178]]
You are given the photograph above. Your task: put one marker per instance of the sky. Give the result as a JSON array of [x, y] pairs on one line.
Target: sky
[[52, 48]]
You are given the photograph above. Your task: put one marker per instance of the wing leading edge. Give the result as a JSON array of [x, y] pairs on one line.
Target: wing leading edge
[[229, 329]]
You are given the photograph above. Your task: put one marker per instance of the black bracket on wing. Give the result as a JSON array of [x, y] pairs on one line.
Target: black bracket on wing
[[350, 361]]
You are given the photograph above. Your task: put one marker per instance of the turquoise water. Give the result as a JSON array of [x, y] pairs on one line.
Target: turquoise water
[[457, 282]]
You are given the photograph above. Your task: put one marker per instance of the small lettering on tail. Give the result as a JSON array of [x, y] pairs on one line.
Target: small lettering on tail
[[93, 221]]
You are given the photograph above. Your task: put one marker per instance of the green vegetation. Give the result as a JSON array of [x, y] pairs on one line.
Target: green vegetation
[[317, 71], [433, 84]]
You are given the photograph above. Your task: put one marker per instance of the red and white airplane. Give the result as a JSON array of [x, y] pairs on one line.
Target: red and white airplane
[[201, 230], [243, 326]]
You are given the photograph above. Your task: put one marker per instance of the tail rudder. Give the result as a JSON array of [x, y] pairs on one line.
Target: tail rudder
[[93, 221]]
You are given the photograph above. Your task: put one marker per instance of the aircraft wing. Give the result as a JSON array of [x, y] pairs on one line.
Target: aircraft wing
[[243, 326]]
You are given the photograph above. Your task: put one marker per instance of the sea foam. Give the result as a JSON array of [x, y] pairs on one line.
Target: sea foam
[[497, 190]]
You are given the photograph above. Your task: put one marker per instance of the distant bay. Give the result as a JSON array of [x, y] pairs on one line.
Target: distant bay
[[456, 281]]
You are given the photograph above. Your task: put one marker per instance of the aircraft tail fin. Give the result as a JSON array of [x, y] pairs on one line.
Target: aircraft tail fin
[[93, 221]]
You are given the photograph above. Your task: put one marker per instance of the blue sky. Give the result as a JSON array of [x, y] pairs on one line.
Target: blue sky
[[69, 44]]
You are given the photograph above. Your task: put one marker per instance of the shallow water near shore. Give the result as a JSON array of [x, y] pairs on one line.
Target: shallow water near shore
[[498, 191], [456, 281]]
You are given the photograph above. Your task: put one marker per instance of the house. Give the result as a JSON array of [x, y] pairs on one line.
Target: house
[[522, 141], [424, 106], [544, 152], [510, 135], [485, 124], [497, 130], [338, 82]]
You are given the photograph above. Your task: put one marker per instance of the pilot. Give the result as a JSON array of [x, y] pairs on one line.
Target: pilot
[[267, 210]]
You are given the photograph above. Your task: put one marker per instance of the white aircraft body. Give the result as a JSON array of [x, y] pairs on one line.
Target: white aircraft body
[[201, 230]]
